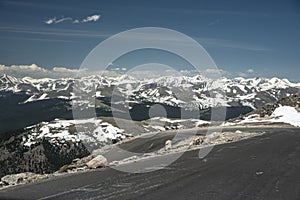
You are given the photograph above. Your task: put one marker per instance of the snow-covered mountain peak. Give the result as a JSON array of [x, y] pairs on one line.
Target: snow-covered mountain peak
[[166, 89]]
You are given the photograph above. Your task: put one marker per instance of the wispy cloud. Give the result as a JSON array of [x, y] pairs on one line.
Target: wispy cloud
[[50, 21], [59, 20], [39, 39], [214, 22], [245, 74], [54, 32], [205, 41], [91, 18], [55, 20], [76, 21], [213, 12], [242, 74], [250, 71], [221, 43]]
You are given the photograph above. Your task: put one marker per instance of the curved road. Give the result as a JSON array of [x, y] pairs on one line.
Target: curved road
[[263, 167]]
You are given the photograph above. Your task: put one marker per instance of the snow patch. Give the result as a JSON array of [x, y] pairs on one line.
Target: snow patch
[[287, 114]]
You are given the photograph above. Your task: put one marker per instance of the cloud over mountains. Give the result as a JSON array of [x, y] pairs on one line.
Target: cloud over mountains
[[35, 71]]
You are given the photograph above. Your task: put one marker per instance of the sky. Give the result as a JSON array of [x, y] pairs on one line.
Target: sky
[[244, 38]]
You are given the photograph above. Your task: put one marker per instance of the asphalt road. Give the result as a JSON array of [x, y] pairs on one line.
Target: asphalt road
[[263, 167]]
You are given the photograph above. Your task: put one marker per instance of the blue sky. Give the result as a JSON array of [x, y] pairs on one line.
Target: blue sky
[[248, 38]]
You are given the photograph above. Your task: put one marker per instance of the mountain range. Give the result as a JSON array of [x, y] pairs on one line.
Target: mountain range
[[131, 98], [253, 92]]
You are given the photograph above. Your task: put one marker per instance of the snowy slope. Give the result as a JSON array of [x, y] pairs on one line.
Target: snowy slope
[[94, 133]]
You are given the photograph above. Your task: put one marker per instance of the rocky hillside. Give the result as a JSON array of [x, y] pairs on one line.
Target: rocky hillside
[[42, 157]]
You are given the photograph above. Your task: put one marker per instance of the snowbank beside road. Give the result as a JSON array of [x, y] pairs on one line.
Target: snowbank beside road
[[287, 115]]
